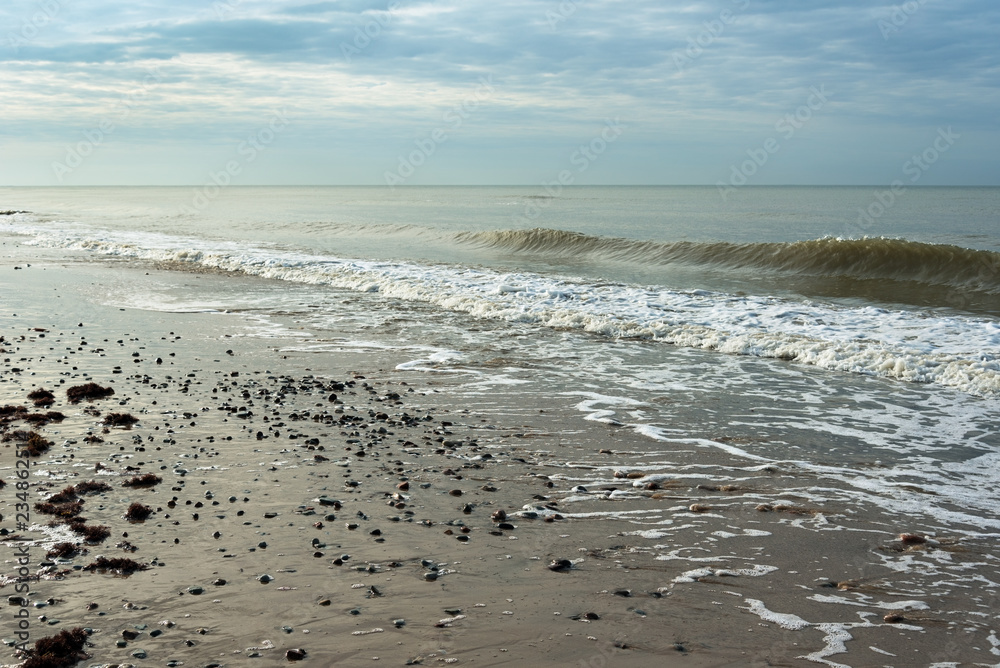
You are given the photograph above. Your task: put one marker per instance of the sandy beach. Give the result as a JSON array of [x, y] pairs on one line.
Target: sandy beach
[[335, 509]]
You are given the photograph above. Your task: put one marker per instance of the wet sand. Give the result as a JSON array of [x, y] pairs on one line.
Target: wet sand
[[336, 504]]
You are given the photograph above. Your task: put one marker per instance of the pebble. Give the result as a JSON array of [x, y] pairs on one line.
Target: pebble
[[560, 565], [196, 590], [264, 579], [295, 654]]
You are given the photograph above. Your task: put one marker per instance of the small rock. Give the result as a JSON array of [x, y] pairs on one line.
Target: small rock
[[295, 654], [560, 565]]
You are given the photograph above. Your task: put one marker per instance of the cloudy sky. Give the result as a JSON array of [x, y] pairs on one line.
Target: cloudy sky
[[516, 92]]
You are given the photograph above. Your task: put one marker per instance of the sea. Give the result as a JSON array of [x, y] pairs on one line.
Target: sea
[[849, 332]]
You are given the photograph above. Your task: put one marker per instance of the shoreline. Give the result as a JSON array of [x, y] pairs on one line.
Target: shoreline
[[729, 592]]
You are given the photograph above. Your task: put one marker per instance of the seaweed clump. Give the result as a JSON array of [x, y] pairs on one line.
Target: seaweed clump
[[91, 487], [145, 480], [32, 442], [42, 397], [42, 419], [88, 391], [64, 510], [119, 565], [68, 494], [64, 551], [120, 420], [11, 412], [59, 651], [137, 512], [91, 534]]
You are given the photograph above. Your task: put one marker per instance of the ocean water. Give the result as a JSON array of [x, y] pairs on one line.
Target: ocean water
[[859, 329]]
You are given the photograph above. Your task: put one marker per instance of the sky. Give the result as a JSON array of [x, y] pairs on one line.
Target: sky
[[571, 92]]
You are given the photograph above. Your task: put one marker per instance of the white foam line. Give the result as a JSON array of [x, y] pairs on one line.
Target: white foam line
[[957, 351], [785, 621], [883, 605]]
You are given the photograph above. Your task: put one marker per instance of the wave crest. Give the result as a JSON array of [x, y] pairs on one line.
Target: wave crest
[[869, 258]]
